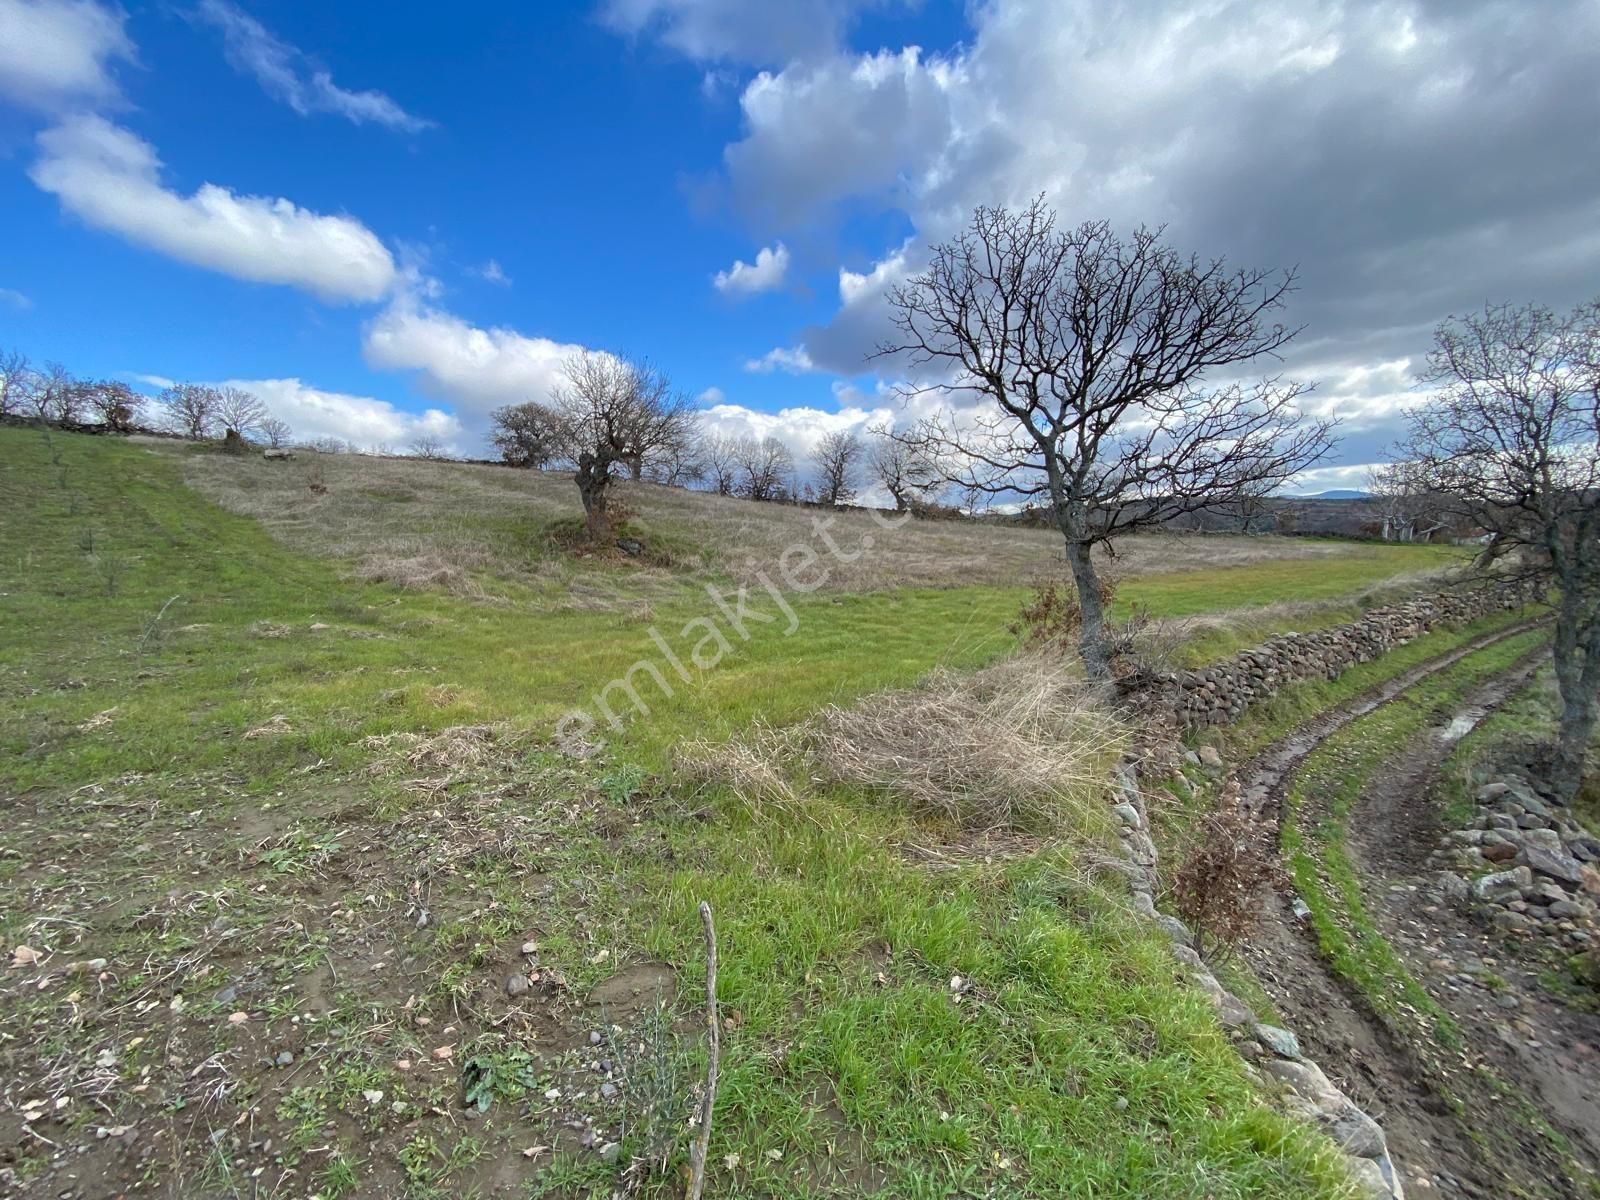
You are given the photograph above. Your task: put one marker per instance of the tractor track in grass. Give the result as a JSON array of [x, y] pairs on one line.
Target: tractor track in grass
[[1460, 1122]]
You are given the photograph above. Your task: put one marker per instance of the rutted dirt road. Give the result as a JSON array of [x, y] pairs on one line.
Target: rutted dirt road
[[1515, 1111]]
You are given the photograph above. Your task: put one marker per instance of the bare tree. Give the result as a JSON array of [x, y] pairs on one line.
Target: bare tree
[[660, 422], [764, 464], [1512, 438], [240, 411], [1411, 509], [276, 431], [1085, 354], [192, 409], [1252, 505], [429, 446], [679, 460], [116, 404], [527, 434], [838, 459], [51, 397], [904, 467], [720, 456], [613, 412], [18, 381]]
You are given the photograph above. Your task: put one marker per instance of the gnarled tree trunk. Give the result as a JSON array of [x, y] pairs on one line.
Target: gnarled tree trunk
[[594, 480]]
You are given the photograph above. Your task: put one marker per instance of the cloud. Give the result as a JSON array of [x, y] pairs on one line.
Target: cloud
[[799, 428], [793, 360], [15, 300], [849, 126], [55, 54], [709, 397], [288, 74], [1401, 152], [491, 272], [313, 413], [110, 178], [477, 369], [746, 279], [737, 30]]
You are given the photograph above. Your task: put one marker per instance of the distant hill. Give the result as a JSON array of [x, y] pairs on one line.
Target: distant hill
[[1339, 494]]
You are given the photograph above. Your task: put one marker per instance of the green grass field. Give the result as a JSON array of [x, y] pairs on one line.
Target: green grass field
[[222, 797]]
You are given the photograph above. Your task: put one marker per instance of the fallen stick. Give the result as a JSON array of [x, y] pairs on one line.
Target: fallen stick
[[702, 1145]]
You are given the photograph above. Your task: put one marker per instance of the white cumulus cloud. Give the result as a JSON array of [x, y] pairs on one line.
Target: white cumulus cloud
[[111, 178], [478, 369], [746, 279], [791, 360], [57, 53], [286, 73], [367, 423]]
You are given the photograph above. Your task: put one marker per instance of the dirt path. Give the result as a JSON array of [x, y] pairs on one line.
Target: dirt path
[[1459, 1123]]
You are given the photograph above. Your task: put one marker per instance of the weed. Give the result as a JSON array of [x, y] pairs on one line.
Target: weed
[[495, 1070]]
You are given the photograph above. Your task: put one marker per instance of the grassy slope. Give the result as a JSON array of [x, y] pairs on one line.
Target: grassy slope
[[98, 543], [1076, 1064]]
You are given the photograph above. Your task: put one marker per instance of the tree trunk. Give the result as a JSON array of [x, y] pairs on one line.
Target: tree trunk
[[1577, 660], [593, 479], [1093, 644], [636, 468]]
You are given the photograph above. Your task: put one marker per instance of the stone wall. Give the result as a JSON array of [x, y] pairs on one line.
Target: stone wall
[[1217, 694]]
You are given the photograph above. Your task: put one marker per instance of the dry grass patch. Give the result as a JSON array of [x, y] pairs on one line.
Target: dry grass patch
[[1019, 748], [1022, 745]]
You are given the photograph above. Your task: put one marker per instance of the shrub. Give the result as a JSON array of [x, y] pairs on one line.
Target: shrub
[[1217, 888]]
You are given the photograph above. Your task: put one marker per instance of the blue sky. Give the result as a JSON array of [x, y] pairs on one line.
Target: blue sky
[[308, 199]]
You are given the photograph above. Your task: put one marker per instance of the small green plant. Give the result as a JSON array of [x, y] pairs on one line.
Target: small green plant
[[496, 1071], [658, 1089], [299, 852], [620, 784]]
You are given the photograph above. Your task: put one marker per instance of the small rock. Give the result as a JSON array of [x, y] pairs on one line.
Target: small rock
[[285, 1059], [608, 1091], [1501, 884], [516, 985], [530, 947], [1210, 758], [1127, 814], [1358, 1133], [610, 1152], [1280, 1041]]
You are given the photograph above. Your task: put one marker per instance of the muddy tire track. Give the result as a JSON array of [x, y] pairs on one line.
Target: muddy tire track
[[1449, 1131]]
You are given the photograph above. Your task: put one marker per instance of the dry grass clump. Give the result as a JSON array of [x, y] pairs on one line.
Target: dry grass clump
[[457, 749], [419, 571], [1022, 745], [752, 767]]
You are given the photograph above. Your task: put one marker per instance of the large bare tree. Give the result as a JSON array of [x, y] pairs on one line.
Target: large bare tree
[[719, 454], [240, 411], [1412, 510], [18, 382], [1085, 356], [116, 404], [908, 473], [613, 412], [1512, 438], [764, 465], [527, 434], [839, 455], [192, 409]]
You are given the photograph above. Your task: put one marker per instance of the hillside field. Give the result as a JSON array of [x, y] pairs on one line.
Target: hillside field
[[277, 744]]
